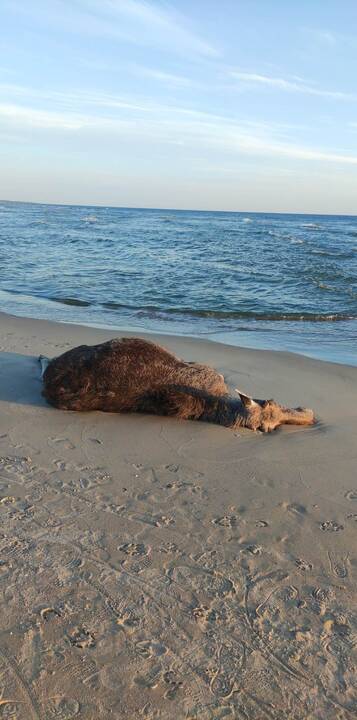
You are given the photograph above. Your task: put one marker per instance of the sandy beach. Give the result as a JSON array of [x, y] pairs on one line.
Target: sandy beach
[[158, 569]]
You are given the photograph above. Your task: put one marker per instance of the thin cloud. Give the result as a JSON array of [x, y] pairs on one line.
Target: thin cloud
[[163, 77], [193, 131], [323, 37], [145, 23], [135, 22], [166, 78], [289, 86], [327, 37], [81, 102], [25, 116]]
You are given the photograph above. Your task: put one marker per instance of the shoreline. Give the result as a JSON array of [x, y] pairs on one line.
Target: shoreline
[[277, 282], [259, 345], [152, 567]]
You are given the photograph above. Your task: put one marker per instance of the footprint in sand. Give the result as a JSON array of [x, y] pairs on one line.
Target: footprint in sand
[[128, 619], [222, 686], [151, 680], [174, 684], [253, 549], [296, 509], [150, 648], [228, 521], [351, 495], [61, 465], [153, 520], [203, 614], [64, 442], [62, 708], [88, 477], [133, 549], [81, 637], [48, 612], [93, 481], [185, 486], [330, 526], [303, 565], [163, 520], [338, 565], [352, 516], [16, 465], [168, 548], [322, 597], [7, 499], [261, 523]]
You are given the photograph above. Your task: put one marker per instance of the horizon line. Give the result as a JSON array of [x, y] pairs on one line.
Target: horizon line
[[171, 209]]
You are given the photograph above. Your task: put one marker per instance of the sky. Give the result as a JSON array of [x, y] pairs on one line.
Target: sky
[[243, 105]]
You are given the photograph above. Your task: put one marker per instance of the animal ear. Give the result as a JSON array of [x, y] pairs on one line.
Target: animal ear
[[266, 403], [246, 399]]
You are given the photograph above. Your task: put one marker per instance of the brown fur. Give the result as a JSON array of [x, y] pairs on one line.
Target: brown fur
[[134, 375]]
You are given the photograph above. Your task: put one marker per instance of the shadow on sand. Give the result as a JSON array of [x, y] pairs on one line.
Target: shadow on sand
[[20, 380]]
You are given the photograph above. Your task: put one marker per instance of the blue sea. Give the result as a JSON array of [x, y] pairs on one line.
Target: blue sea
[[282, 282]]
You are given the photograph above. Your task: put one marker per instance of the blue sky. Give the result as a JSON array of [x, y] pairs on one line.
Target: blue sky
[[231, 105]]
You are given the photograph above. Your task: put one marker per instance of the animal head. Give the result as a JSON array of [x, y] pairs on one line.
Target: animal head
[[267, 415]]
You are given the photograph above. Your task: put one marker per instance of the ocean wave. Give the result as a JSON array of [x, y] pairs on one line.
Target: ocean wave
[[325, 253], [336, 255], [323, 286], [231, 314], [282, 276], [160, 312], [237, 315], [70, 301], [90, 219]]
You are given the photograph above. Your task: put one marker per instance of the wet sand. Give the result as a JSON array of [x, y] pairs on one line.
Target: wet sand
[[158, 569]]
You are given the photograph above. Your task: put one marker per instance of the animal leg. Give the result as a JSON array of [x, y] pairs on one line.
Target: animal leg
[[180, 402]]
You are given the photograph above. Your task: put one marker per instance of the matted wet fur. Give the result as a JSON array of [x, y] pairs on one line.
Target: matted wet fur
[[135, 375]]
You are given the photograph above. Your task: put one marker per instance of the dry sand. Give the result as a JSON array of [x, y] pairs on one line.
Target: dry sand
[[157, 569]]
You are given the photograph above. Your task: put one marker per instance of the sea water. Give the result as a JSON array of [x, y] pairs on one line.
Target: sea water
[[275, 281]]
